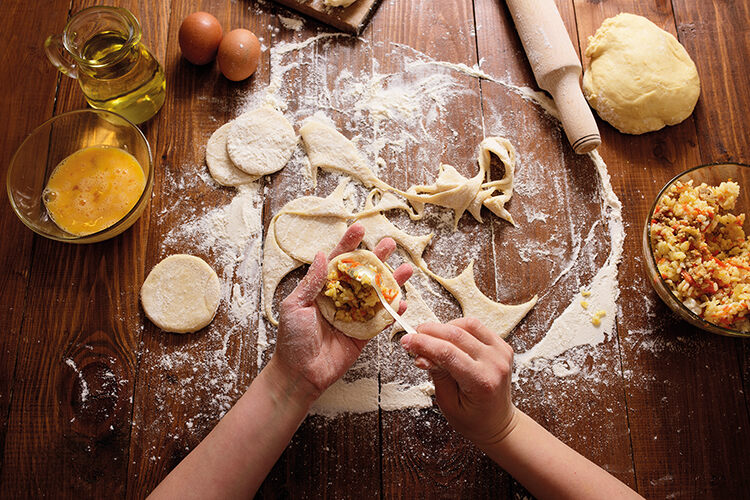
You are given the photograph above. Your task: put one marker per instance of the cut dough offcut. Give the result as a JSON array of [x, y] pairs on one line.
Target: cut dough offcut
[[261, 141], [219, 164], [327, 148], [500, 318], [417, 312], [308, 225], [276, 265], [640, 78], [181, 294], [366, 329]]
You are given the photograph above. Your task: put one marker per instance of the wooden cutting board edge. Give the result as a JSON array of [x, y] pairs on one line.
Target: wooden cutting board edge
[[350, 19]]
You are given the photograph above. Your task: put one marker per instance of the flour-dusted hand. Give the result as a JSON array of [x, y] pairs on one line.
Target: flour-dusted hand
[[471, 367], [307, 344]]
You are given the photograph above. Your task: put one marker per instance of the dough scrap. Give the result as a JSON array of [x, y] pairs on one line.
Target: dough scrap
[[261, 141], [640, 78], [367, 329], [377, 226], [417, 312], [327, 148], [453, 190], [498, 317], [276, 265], [303, 220], [504, 150], [219, 164], [181, 294], [308, 225]]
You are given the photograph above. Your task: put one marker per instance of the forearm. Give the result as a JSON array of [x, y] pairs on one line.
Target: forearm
[[233, 460], [550, 469]]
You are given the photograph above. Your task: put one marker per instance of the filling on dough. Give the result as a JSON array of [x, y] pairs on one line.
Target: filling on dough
[[355, 300]]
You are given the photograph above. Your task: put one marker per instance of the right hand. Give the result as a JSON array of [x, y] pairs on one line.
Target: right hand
[[471, 368]]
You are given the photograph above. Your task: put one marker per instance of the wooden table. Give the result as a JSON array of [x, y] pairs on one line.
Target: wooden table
[[670, 419]]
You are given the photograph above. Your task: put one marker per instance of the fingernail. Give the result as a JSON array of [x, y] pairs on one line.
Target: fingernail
[[406, 340], [423, 363]]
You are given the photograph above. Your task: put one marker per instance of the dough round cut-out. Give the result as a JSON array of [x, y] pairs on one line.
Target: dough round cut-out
[[261, 141], [219, 165], [181, 294], [640, 78], [362, 329]]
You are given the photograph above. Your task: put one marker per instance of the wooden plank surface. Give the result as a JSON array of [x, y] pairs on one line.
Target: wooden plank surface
[[95, 401], [23, 114]]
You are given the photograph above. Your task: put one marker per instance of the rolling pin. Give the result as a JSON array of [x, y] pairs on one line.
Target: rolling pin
[[556, 68]]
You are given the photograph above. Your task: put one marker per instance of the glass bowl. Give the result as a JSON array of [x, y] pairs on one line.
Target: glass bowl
[[55, 140], [712, 175]]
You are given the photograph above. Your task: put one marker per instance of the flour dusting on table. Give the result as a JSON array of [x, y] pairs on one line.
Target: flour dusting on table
[[389, 112]]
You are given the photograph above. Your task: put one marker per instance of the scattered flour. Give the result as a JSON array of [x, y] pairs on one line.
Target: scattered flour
[[291, 23], [574, 327], [84, 385], [389, 114], [232, 234], [363, 395]]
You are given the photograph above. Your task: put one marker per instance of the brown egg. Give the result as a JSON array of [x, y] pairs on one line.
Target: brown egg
[[200, 35], [239, 53]]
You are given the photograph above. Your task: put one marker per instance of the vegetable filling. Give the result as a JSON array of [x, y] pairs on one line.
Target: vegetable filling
[[355, 300]]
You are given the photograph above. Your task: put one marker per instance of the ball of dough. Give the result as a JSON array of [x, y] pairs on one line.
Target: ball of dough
[[367, 329], [639, 78], [261, 141], [181, 294], [217, 159]]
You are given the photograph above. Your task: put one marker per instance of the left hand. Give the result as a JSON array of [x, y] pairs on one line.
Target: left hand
[[307, 344]]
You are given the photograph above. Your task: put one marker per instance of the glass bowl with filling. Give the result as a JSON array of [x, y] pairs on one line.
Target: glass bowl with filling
[[696, 249], [81, 177], [353, 305]]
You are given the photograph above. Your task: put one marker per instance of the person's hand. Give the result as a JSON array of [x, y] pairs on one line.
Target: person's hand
[[471, 368], [307, 344]]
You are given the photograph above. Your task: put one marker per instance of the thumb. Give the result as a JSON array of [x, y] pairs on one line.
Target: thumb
[[310, 286]]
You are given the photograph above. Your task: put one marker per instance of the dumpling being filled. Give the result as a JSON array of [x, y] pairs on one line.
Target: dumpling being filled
[[353, 307]]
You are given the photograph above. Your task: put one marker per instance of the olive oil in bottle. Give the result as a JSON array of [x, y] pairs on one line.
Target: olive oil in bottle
[[121, 78], [102, 48]]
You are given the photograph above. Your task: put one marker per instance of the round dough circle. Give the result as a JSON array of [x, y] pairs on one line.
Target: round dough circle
[[640, 78], [181, 294], [368, 329], [219, 165], [261, 141]]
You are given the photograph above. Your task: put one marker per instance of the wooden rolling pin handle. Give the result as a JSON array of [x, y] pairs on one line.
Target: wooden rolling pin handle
[[575, 114], [556, 67]]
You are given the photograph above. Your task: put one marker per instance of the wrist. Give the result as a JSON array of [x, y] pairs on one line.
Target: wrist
[[288, 385], [509, 424]]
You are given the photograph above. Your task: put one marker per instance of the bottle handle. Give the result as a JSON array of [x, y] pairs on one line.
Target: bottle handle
[[59, 56]]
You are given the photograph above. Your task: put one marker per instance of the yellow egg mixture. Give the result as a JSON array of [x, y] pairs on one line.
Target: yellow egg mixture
[[93, 188]]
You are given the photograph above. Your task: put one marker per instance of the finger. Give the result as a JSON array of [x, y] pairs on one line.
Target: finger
[[443, 355], [423, 363], [311, 285], [446, 390], [401, 307], [402, 273], [456, 336], [350, 241], [477, 329], [384, 248]]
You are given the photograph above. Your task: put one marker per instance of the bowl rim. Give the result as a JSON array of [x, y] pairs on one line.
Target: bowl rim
[[147, 188], [697, 320]]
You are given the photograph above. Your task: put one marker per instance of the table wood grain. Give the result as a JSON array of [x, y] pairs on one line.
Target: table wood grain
[[670, 419]]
